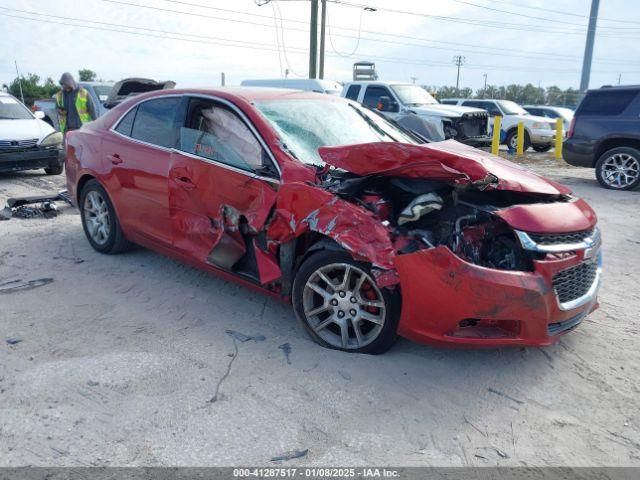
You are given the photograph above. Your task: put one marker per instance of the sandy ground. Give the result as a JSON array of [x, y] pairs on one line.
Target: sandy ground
[[120, 355]]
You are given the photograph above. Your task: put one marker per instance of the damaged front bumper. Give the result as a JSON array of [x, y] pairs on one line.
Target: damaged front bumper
[[447, 300], [31, 159]]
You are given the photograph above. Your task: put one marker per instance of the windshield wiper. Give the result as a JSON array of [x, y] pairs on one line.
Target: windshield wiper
[[372, 124]]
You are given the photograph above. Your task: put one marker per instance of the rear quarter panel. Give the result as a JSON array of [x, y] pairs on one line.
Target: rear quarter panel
[[83, 157]]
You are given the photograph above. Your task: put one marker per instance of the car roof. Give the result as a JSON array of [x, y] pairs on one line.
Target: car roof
[[249, 94], [107, 84]]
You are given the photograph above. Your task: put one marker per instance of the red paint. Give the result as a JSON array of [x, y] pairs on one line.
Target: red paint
[[448, 161], [191, 209]]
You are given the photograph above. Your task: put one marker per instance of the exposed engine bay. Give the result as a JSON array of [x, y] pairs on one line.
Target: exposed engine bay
[[427, 213]]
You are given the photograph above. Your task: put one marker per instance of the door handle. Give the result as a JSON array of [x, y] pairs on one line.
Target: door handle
[[115, 159], [185, 182]]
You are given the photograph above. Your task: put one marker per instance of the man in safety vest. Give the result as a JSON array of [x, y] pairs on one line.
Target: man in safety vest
[[75, 106]]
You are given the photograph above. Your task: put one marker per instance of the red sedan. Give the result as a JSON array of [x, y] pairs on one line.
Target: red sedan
[[368, 230]]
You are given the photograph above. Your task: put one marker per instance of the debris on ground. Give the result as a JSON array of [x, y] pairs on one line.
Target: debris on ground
[[344, 374], [241, 337], [233, 356], [19, 285], [93, 383], [13, 340], [290, 455], [286, 349], [42, 206]]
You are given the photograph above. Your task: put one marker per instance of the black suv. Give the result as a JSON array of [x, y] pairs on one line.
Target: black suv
[[605, 135]]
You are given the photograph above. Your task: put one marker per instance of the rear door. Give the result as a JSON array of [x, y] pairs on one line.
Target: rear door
[[222, 186], [138, 152]]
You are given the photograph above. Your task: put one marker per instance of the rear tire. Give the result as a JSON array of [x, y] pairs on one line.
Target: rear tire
[[619, 168], [99, 220], [352, 315]]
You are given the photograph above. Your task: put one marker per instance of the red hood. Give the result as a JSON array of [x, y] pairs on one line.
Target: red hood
[[448, 161]]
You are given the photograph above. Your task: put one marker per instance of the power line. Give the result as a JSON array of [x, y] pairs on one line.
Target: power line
[[503, 50], [469, 21], [546, 19], [169, 35], [561, 12]]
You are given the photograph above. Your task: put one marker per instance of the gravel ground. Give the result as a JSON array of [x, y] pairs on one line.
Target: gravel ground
[[118, 357]]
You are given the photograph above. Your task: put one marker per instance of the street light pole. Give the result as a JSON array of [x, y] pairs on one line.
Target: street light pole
[[484, 92], [588, 49]]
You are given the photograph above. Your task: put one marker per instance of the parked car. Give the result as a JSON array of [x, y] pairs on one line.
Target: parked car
[[396, 100], [605, 135], [105, 95], [367, 230], [539, 131], [308, 84], [552, 113], [26, 141]]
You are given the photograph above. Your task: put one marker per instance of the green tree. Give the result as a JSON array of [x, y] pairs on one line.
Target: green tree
[[87, 75], [31, 88]]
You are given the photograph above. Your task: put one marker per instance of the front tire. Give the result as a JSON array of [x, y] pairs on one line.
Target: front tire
[[512, 140], [341, 307], [99, 220], [619, 168], [54, 170]]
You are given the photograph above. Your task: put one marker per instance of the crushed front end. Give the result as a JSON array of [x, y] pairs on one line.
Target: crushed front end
[[477, 261]]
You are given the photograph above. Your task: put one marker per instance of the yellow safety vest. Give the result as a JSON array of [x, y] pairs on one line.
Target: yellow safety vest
[[81, 107]]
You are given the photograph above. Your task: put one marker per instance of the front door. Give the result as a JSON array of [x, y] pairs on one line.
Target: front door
[[220, 193]]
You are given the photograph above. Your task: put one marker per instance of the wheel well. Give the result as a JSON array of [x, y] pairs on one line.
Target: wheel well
[[614, 143], [81, 183]]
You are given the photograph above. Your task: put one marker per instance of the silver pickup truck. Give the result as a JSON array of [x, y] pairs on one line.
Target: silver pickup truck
[[105, 96]]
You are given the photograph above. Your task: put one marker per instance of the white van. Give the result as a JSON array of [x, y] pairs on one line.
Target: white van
[[308, 84]]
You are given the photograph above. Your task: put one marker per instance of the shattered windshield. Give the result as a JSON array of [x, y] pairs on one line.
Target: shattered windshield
[[413, 95], [306, 125]]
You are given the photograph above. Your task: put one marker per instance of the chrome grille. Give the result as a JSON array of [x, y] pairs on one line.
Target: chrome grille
[[474, 124], [560, 238], [18, 144], [576, 281]]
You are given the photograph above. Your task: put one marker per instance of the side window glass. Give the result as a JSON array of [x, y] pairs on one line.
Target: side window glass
[[155, 122], [214, 132], [125, 125], [353, 92], [372, 96]]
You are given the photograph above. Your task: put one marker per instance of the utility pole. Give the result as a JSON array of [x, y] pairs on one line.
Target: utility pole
[[313, 39], [222, 79], [413, 80], [588, 49], [484, 92], [459, 61], [323, 22], [619, 78]]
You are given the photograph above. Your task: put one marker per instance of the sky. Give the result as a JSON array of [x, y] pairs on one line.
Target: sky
[[192, 41]]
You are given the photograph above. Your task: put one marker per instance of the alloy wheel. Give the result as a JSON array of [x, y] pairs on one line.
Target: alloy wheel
[[96, 217], [343, 306], [620, 170]]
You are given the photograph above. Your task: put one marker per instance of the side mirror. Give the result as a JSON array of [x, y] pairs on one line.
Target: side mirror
[[385, 104], [39, 114]]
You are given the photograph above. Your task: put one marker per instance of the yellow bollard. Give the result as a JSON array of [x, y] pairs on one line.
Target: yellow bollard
[[559, 138], [495, 140], [520, 145]]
